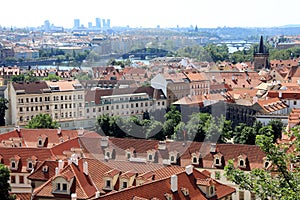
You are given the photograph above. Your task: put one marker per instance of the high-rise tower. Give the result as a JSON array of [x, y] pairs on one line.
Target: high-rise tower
[[98, 23], [76, 23]]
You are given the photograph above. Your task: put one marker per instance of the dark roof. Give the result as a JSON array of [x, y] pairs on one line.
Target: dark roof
[[31, 88]]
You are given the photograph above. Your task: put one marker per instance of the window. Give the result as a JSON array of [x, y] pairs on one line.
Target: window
[[295, 102], [12, 179], [211, 190], [124, 184], [64, 187], [21, 179], [40, 142], [242, 163], [13, 164], [217, 161], [29, 166], [108, 183], [172, 158], [150, 157], [195, 160], [241, 195], [128, 155], [58, 186]]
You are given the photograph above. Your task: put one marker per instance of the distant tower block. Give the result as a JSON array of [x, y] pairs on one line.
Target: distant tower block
[[76, 23], [261, 56], [98, 23], [104, 24]]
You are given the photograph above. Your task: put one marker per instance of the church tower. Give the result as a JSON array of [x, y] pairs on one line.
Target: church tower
[[261, 56]]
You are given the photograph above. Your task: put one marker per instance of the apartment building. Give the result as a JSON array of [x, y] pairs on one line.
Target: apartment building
[[123, 101], [63, 100]]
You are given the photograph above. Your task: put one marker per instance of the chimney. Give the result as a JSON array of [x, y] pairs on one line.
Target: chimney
[[174, 183], [104, 142], [162, 145], [255, 99], [97, 194], [85, 168], [73, 196], [56, 171], [189, 169], [213, 148], [280, 94], [18, 129], [58, 131], [60, 165]]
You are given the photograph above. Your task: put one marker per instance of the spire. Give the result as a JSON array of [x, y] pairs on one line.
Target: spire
[[261, 45]]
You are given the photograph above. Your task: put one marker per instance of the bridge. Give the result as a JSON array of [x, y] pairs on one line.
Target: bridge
[[146, 53]]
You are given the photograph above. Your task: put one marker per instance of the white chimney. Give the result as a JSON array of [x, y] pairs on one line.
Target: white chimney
[[73, 196], [60, 165], [189, 169], [97, 194], [56, 171], [162, 145], [85, 168], [255, 99], [104, 142], [280, 94], [174, 183], [58, 131]]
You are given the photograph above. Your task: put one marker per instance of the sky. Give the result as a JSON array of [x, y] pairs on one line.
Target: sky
[[143, 13]]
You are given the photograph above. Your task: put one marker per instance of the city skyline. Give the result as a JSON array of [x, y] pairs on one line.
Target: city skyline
[[133, 13]]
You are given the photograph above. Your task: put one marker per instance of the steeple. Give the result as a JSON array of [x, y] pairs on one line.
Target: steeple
[[261, 56], [261, 45]]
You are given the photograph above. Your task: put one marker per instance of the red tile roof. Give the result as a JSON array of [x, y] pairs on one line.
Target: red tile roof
[[158, 189]]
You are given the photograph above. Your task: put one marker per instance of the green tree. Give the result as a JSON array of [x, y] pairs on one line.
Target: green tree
[[282, 179], [103, 124], [226, 130], [42, 121], [52, 77], [18, 78], [196, 126], [3, 108], [277, 127], [4, 185], [173, 118], [244, 134]]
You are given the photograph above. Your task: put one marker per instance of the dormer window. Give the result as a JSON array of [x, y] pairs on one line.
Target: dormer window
[[14, 162], [29, 165], [242, 161], [195, 158], [61, 185], [109, 153], [45, 169], [169, 196], [13, 165], [173, 157], [40, 142], [218, 159], [151, 155], [128, 155]]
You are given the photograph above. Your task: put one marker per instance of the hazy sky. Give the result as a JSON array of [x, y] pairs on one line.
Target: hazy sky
[[166, 13]]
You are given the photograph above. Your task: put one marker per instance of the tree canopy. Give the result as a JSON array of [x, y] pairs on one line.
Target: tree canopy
[[42, 121], [4, 185], [281, 180], [3, 108]]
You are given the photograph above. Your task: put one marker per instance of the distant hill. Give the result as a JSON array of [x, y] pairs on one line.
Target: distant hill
[[290, 26]]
